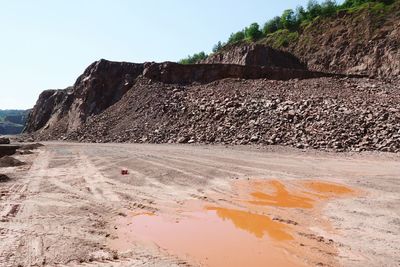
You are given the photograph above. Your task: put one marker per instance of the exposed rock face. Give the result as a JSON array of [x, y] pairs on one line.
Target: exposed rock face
[[104, 83], [173, 73], [255, 54], [51, 106]]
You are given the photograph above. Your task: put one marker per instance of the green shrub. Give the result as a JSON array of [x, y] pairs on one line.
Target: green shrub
[[272, 25], [194, 59], [253, 32], [236, 37], [282, 38], [217, 47]]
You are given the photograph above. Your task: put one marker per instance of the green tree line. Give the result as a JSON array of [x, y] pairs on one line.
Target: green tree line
[[290, 20]]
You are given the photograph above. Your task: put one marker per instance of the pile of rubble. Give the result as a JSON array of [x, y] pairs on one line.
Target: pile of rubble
[[338, 114]]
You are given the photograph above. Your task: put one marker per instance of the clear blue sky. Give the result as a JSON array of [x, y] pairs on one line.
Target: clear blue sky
[[48, 43]]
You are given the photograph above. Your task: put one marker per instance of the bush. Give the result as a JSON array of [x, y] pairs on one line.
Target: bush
[[194, 59], [289, 20], [236, 37], [217, 47], [272, 25], [282, 38], [253, 32]]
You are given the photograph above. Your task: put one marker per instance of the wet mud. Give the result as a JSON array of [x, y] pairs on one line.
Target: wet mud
[[244, 233]]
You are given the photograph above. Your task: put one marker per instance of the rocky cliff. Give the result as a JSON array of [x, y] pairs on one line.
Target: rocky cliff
[[104, 83], [51, 106], [255, 54], [222, 103]]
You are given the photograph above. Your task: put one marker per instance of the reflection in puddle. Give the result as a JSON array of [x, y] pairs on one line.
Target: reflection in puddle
[[220, 236], [256, 224], [213, 237], [281, 198], [329, 189]]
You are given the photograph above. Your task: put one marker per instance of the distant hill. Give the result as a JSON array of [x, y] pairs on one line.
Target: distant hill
[[12, 121]]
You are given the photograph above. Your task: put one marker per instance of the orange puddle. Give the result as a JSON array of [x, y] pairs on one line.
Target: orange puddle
[[220, 236], [281, 198], [297, 197], [255, 224], [329, 189], [212, 237]]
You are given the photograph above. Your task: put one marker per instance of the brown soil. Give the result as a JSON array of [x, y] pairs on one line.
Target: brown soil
[[68, 204]]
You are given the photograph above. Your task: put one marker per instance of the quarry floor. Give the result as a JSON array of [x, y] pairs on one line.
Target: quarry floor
[[190, 205]]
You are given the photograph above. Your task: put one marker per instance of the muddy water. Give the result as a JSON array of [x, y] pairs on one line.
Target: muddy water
[[305, 198], [281, 197], [214, 235]]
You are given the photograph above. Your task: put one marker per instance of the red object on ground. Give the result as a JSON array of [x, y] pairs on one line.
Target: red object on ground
[[124, 172]]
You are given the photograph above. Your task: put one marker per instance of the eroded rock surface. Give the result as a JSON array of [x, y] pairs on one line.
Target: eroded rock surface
[[256, 54]]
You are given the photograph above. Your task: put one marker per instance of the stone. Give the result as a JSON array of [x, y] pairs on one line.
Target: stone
[[4, 178], [183, 139], [10, 162], [254, 138], [4, 141]]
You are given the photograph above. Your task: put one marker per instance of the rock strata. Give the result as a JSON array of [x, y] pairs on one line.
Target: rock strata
[[255, 55]]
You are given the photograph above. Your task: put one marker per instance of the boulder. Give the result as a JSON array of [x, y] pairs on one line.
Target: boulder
[[10, 162], [4, 141], [4, 178], [8, 150]]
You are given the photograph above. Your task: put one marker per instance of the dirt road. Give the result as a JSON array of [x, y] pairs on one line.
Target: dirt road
[[64, 207]]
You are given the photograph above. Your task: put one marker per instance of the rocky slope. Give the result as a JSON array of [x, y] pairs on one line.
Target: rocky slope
[[104, 83], [342, 114], [364, 41]]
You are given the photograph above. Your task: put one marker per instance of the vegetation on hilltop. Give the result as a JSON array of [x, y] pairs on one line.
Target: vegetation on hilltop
[[284, 29], [193, 59]]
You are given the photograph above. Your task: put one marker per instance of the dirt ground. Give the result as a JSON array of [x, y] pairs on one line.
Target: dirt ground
[[64, 207]]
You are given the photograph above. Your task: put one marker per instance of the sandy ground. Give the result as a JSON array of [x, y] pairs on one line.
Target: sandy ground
[[62, 208]]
